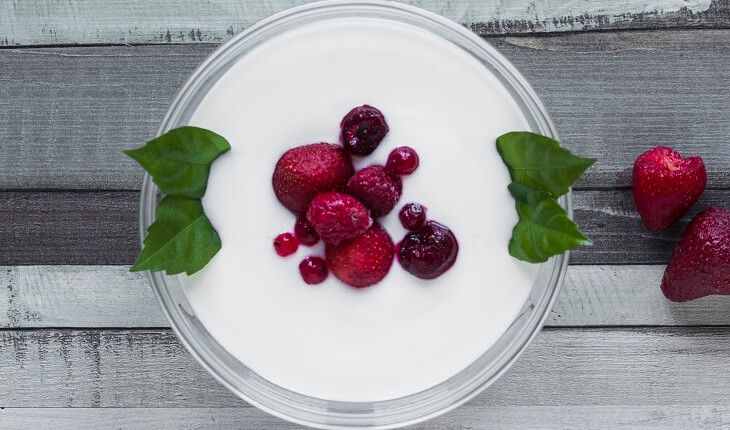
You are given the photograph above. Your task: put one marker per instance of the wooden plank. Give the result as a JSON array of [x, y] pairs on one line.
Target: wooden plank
[[94, 228], [76, 296], [628, 296], [610, 219], [69, 227], [50, 22], [67, 113], [465, 417], [563, 367], [52, 297]]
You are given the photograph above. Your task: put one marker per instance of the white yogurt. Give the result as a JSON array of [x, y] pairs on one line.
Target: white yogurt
[[402, 335]]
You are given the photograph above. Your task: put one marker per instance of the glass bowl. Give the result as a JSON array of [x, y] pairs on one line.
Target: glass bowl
[[335, 414]]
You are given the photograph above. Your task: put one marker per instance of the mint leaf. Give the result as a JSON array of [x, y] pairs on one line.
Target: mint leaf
[[179, 160], [544, 228], [181, 239], [539, 162]]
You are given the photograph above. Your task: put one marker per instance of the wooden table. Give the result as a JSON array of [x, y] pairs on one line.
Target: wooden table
[[84, 345]]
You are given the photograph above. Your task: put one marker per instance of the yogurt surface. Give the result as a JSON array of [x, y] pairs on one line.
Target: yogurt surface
[[402, 335]]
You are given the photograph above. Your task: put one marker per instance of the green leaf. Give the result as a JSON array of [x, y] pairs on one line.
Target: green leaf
[[539, 162], [544, 228], [181, 239], [179, 160]]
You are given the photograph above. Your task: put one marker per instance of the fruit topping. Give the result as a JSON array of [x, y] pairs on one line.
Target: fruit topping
[[313, 270], [337, 217], [700, 265], [402, 161], [286, 244], [364, 260], [362, 130], [305, 171], [665, 186], [376, 189], [305, 233], [428, 252], [412, 216]]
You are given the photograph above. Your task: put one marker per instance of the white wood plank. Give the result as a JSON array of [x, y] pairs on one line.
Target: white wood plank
[[76, 296], [563, 367], [110, 296], [465, 417], [45, 22], [66, 114]]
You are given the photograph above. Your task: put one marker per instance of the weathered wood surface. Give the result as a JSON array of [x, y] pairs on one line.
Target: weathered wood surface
[[77, 296], [465, 417], [110, 296], [563, 367], [71, 227], [67, 113], [47, 22]]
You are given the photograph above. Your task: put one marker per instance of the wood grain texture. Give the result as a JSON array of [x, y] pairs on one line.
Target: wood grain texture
[[610, 219], [97, 228], [465, 417], [109, 296], [67, 113], [77, 296], [48, 22], [563, 367], [69, 227]]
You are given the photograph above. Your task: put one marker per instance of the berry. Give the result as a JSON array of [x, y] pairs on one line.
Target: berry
[[700, 265], [412, 216], [313, 270], [337, 217], [362, 130], [665, 186], [377, 190], [305, 171], [305, 233], [428, 252], [286, 244], [364, 260], [402, 161]]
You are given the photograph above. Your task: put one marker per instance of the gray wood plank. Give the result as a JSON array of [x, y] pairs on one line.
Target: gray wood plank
[[67, 113], [49, 22], [610, 219], [563, 367], [464, 417], [110, 296], [69, 227], [76, 296], [93, 228]]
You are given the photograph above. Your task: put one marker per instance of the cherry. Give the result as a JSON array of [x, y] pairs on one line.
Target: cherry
[[428, 252], [362, 130], [305, 233], [412, 216], [402, 161], [286, 244], [313, 270]]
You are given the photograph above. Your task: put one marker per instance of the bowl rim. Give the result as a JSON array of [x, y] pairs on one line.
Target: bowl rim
[[184, 323]]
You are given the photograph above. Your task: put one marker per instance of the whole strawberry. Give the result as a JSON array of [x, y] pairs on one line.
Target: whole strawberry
[[364, 260], [377, 189], [337, 217], [305, 171], [665, 186], [700, 265]]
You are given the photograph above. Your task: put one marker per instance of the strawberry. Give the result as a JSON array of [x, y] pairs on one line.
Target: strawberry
[[378, 190], [364, 260], [700, 265], [337, 217], [305, 171], [666, 186]]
